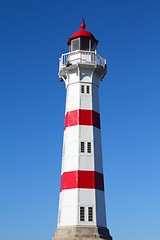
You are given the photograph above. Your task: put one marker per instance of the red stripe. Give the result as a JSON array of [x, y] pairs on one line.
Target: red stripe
[[82, 117], [82, 179]]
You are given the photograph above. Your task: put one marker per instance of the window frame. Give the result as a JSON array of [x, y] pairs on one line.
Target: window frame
[[87, 89], [73, 41], [90, 214], [89, 147], [82, 147], [82, 88], [90, 42], [83, 41], [82, 214]]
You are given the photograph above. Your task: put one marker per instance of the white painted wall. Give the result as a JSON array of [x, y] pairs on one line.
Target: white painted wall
[[72, 160]]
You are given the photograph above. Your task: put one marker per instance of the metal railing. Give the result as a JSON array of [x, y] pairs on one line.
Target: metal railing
[[80, 56]]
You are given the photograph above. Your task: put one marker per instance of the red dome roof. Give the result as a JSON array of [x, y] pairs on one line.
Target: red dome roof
[[82, 33]]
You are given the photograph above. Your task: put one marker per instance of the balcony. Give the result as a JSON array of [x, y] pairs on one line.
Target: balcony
[[82, 57]]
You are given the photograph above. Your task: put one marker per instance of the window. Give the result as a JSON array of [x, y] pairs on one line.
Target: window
[[86, 147], [90, 214], [93, 45], [75, 44], [85, 44], [82, 147], [85, 89], [88, 90], [82, 213], [89, 147], [82, 88]]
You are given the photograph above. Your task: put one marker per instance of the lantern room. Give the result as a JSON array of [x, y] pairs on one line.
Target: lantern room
[[82, 50], [82, 40]]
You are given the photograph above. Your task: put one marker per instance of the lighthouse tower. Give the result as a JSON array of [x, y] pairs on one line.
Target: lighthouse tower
[[82, 213]]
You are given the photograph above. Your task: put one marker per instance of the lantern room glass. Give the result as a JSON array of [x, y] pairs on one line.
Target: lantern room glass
[[92, 45], [83, 43], [75, 44]]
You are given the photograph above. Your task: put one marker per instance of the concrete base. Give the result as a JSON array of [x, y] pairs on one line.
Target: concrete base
[[81, 233]]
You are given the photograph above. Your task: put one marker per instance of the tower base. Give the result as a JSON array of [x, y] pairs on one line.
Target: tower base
[[81, 233]]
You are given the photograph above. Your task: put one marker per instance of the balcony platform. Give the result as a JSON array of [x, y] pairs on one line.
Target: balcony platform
[[85, 59]]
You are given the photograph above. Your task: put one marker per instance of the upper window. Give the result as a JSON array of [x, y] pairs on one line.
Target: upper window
[[82, 88], [85, 89], [88, 90]]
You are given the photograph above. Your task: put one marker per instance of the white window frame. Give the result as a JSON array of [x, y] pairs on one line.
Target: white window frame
[[87, 89], [82, 214], [82, 146], [82, 88], [90, 214], [89, 147]]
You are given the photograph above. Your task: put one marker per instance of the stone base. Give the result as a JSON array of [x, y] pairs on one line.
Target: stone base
[[81, 233]]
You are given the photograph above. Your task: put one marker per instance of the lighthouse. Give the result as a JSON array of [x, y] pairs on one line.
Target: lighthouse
[[82, 211]]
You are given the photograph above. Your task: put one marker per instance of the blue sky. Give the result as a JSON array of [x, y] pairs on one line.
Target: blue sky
[[32, 101]]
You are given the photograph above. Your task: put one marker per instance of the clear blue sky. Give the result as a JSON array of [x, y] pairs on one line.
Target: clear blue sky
[[33, 35]]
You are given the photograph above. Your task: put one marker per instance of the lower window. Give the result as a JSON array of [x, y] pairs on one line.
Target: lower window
[[90, 214], [82, 213]]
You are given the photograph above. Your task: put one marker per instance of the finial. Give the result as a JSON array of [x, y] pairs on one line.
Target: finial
[[83, 25]]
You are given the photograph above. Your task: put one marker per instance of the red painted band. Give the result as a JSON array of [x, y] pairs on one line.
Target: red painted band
[[82, 179], [82, 117]]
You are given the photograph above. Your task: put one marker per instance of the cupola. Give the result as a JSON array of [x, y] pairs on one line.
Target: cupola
[[82, 40]]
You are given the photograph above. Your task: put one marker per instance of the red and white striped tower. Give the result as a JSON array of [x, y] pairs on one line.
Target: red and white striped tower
[[82, 213]]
